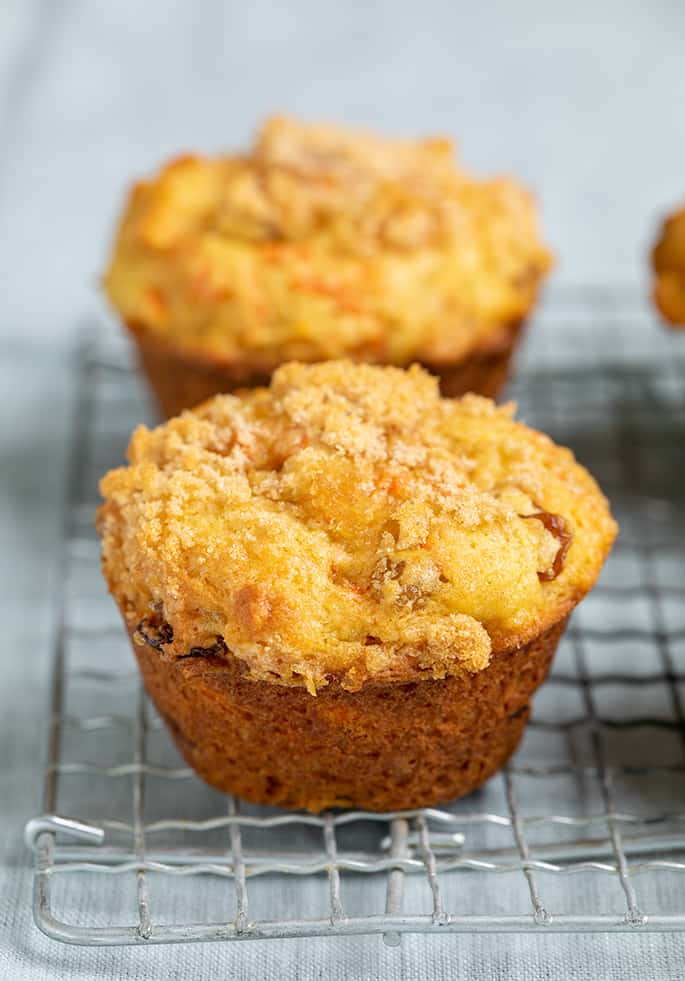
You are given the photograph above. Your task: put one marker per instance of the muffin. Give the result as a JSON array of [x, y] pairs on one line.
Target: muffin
[[323, 243], [343, 590], [668, 259]]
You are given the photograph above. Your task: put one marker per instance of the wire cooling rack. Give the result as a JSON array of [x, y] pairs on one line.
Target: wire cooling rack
[[583, 831]]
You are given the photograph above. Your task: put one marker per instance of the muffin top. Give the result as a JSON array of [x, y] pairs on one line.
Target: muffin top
[[669, 266], [322, 242], [348, 523]]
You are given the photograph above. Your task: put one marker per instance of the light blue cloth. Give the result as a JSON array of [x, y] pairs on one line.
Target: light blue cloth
[[578, 102]]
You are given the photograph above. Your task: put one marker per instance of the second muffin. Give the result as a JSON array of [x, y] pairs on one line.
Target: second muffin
[[344, 589], [321, 243]]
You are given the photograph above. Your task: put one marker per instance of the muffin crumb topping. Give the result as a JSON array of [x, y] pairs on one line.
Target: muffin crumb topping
[[348, 523], [323, 242]]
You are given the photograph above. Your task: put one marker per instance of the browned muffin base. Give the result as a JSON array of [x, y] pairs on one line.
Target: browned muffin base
[[180, 381], [484, 372], [386, 747]]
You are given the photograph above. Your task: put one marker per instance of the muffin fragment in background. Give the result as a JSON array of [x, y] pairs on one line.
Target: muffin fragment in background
[[668, 259], [319, 243]]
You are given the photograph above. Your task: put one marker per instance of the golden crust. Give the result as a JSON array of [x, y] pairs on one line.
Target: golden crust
[[668, 258], [321, 243], [348, 522]]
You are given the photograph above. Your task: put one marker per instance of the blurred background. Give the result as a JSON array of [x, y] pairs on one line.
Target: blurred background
[[583, 101]]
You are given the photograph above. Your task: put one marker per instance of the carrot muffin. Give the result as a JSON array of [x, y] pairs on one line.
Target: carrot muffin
[[668, 258], [344, 589], [323, 243]]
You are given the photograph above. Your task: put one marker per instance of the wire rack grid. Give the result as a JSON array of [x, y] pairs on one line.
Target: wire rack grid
[[584, 830]]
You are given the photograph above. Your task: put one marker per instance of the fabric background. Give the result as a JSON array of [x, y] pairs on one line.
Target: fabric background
[[579, 101]]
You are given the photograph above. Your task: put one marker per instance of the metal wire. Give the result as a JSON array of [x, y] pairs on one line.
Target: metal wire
[[633, 916], [238, 868], [614, 832]]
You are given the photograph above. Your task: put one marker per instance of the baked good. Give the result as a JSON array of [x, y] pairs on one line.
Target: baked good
[[344, 589], [668, 258], [323, 243]]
